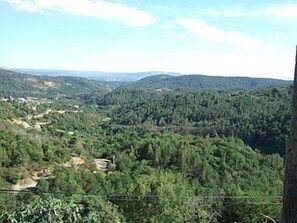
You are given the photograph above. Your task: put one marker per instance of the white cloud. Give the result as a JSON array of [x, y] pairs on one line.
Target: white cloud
[[92, 8], [287, 11], [282, 11], [177, 35], [205, 31], [23, 5], [227, 13]]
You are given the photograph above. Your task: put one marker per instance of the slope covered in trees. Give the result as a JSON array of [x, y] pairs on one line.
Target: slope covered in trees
[[260, 118], [202, 82], [154, 173], [23, 85]]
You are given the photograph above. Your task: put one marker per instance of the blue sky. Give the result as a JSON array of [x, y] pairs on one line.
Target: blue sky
[[214, 37]]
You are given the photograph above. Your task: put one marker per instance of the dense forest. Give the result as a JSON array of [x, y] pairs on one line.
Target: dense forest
[[140, 155], [203, 82], [260, 118]]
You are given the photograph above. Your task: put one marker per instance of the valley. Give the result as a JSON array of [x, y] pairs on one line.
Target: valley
[[128, 155]]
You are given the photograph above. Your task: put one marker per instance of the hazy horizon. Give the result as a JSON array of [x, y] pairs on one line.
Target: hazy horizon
[[230, 38], [88, 73]]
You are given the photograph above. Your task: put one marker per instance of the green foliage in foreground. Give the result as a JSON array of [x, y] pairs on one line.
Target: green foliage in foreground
[[166, 176], [55, 210]]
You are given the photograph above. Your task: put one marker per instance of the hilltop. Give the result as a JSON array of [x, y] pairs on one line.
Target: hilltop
[[47, 84], [203, 82], [95, 75], [21, 85]]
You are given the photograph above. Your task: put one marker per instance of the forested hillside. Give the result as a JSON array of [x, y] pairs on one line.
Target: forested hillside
[[260, 118], [143, 156], [202, 82], [22, 85]]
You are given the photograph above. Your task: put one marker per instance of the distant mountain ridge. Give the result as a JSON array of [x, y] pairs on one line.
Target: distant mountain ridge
[[203, 82], [95, 75], [17, 84], [21, 85]]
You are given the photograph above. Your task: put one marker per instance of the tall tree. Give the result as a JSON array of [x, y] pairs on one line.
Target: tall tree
[[290, 181]]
